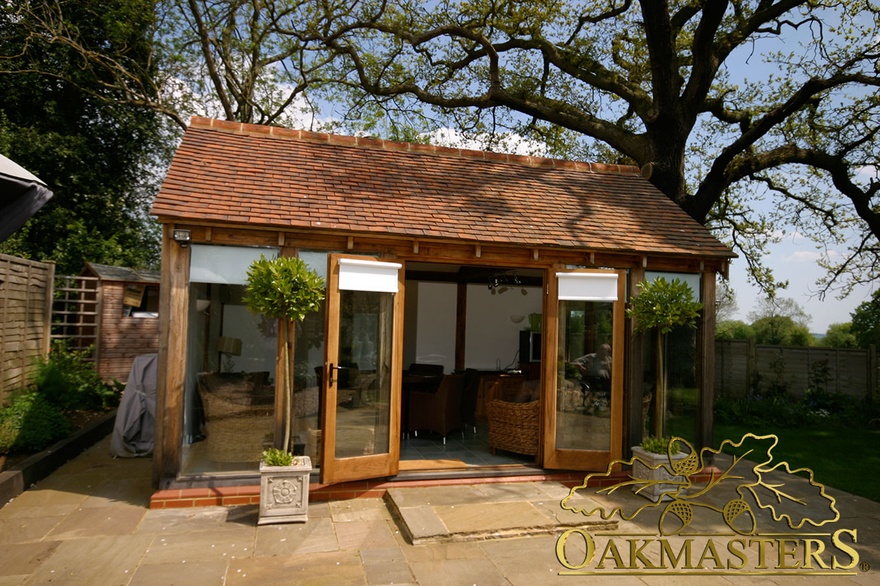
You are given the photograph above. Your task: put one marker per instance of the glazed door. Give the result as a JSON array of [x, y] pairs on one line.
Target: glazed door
[[583, 418], [362, 369]]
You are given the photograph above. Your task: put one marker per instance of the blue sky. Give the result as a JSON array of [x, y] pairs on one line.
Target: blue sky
[[795, 259]]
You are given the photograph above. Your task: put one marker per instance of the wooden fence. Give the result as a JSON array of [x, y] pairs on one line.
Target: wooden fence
[[25, 316], [741, 365]]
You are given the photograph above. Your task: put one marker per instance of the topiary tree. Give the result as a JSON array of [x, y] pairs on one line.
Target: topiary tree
[[662, 305], [283, 288]]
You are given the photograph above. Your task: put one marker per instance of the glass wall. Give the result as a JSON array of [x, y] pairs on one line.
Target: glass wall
[[680, 346], [583, 405], [308, 366], [230, 384]]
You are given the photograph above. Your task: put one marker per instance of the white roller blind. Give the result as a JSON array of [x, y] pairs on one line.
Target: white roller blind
[[368, 275], [587, 286], [227, 265]]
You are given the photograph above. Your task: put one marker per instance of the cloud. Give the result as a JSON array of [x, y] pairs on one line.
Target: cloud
[[804, 256], [513, 144], [867, 172]]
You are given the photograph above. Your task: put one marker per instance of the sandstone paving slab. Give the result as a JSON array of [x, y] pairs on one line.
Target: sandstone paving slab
[[316, 536], [386, 565], [470, 513], [117, 519], [201, 573], [421, 524], [96, 561], [82, 483], [12, 511], [184, 520], [434, 495], [507, 492], [331, 569], [320, 510], [200, 546], [24, 558], [27, 529], [135, 491], [40, 497], [442, 551], [490, 517], [455, 572], [358, 510], [359, 534]]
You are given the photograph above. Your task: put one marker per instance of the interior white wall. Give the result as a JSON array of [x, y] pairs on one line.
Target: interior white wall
[[435, 324], [492, 338]]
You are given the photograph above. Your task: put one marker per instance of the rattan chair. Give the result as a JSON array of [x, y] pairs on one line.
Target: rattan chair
[[514, 427]]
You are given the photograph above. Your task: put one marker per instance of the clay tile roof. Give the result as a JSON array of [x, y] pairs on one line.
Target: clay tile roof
[[228, 172]]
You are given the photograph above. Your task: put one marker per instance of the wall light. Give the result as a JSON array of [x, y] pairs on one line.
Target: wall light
[[182, 237]]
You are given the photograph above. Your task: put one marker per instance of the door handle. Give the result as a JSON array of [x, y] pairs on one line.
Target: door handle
[[330, 373]]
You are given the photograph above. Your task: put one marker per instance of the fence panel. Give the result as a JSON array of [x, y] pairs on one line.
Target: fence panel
[[741, 365], [25, 305]]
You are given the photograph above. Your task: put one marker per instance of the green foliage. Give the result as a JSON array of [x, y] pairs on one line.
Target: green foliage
[[655, 445], [786, 410], [663, 305], [733, 330], [568, 79], [277, 457], [69, 381], [866, 322], [100, 158], [781, 331], [283, 288], [839, 336], [30, 423]]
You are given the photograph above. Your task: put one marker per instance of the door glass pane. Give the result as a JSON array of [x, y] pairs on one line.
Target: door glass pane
[[363, 390], [583, 405], [308, 365]]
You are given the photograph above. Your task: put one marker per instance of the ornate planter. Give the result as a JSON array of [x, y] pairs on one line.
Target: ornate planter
[[284, 492], [655, 468]]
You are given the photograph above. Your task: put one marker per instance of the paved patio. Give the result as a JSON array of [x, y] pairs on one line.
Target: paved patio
[[89, 523]]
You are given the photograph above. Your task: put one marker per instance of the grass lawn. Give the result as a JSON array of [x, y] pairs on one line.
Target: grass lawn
[[845, 458]]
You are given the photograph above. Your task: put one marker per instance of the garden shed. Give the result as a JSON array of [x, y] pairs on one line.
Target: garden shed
[[474, 318], [127, 321]]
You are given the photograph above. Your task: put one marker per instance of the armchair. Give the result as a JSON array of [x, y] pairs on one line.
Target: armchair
[[437, 411]]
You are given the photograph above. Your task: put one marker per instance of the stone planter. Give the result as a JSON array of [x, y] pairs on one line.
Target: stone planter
[[284, 492], [650, 466]]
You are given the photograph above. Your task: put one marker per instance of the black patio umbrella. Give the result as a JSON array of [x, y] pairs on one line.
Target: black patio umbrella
[[21, 195]]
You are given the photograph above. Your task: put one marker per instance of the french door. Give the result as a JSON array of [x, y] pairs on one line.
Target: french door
[[362, 369], [583, 419]]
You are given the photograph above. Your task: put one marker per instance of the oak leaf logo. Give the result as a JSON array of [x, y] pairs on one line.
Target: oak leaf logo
[[750, 482]]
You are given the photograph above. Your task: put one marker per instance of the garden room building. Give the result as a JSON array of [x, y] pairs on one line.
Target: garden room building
[[474, 318]]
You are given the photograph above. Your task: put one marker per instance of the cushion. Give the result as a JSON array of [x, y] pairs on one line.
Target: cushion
[[529, 391]]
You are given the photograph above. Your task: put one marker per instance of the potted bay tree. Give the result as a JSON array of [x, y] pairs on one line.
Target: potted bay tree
[[285, 289], [662, 305]]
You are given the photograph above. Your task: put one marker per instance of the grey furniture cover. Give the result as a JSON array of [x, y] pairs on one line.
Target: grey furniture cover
[[136, 416]]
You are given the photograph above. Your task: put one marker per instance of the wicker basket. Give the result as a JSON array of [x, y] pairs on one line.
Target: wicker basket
[[514, 426]]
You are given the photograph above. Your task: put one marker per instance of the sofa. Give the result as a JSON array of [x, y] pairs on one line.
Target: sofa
[[238, 408]]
